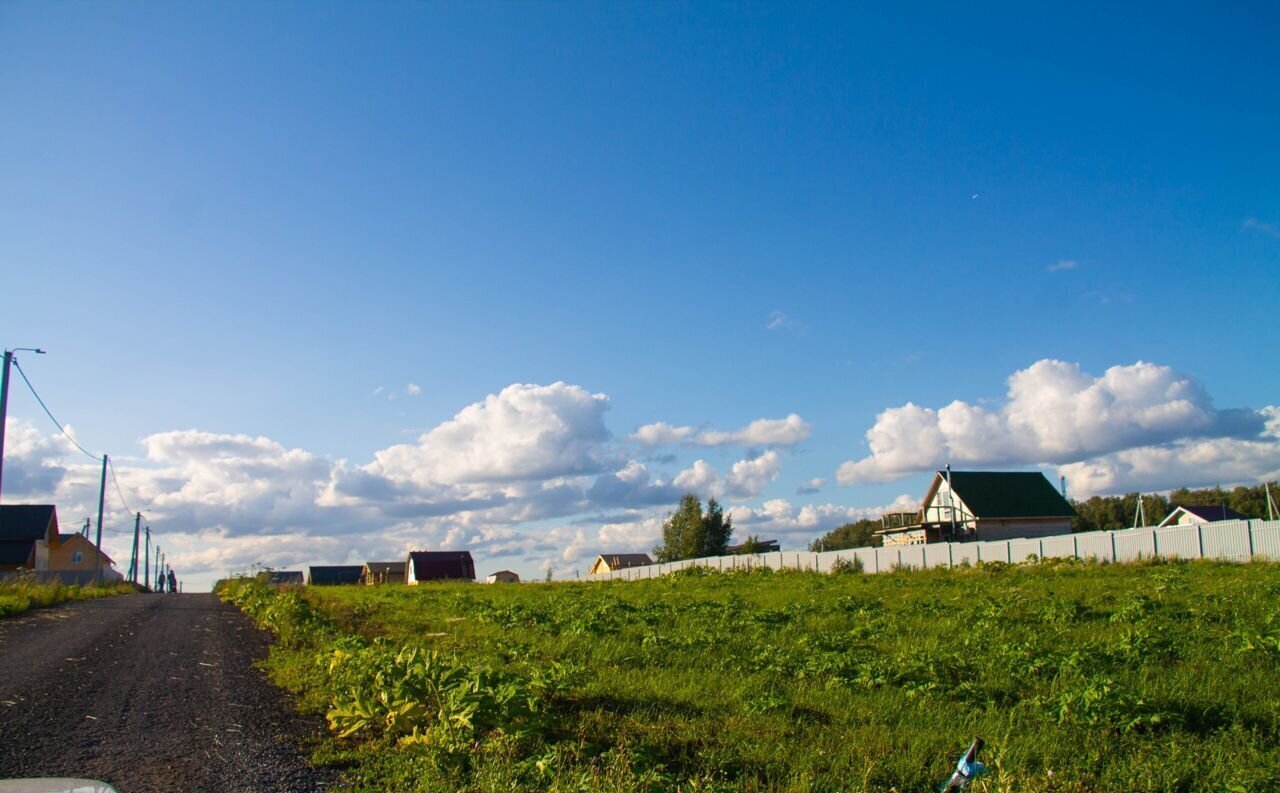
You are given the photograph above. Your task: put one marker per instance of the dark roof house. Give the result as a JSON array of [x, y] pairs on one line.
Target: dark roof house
[[439, 566], [986, 505], [334, 575], [1189, 515], [284, 577], [608, 562], [27, 531]]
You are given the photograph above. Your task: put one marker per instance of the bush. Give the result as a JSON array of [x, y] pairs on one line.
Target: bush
[[847, 566]]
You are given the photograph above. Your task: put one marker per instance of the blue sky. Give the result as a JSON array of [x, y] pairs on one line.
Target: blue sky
[[244, 220]]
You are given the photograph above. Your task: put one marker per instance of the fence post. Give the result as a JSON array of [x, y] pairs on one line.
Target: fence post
[[1251, 540], [1155, 544], [1200, 538], [951, 557], [1113, 547]]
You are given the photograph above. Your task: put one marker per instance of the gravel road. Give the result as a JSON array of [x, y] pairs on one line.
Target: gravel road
[[150, 693]]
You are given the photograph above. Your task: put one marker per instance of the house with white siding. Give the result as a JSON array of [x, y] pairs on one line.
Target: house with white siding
[[985, 505]]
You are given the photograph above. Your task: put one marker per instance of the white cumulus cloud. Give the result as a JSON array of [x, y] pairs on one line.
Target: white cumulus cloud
[[762, 432], [1054, 413], [525, 432], [745, 479]]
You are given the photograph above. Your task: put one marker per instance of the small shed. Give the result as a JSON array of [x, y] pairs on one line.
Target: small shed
[[608, 562], [439, 566], [1190, 516], [383, 573], [283, 577], [334, 575], [502, 577]]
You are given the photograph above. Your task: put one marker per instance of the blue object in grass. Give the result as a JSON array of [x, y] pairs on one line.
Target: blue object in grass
[[968, 769]]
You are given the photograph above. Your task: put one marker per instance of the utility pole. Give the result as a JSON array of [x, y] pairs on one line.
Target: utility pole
[[146, 564], [133, 558], [102, 496], [4, 398]]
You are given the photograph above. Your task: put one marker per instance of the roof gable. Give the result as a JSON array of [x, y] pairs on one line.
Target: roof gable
[[1007, 494], [620, 561], [436, 565], [385, 567], [79, 540], [284, 577], [28, 522], [1206, 513], [336, 574]]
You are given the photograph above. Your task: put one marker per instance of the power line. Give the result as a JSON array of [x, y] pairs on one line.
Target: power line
[[56, 423], [119, 492]]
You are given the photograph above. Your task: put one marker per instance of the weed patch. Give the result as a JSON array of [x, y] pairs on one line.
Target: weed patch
[[1081, 678]]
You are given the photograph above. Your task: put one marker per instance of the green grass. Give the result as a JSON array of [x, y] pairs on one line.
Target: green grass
[[1156, 677], [19, 595]]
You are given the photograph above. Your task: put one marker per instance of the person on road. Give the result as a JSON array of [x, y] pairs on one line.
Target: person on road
[[173, 582], [160, 582]]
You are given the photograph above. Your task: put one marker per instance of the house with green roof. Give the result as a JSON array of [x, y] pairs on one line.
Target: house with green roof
[[962, 506]]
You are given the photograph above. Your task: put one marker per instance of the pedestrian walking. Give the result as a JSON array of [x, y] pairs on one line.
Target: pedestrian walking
[[173, 582]]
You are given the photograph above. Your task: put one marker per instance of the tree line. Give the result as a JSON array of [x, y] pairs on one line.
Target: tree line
[[692, 532], [1102, 513]]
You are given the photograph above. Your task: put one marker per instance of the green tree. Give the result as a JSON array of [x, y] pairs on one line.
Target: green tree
[[689, 533], [1104, 513], [851, 535], [751, 545]]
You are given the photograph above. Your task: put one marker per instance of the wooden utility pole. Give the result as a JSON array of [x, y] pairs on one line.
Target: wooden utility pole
[[102, 496], [133, 557], [4, 396], [146, 566]]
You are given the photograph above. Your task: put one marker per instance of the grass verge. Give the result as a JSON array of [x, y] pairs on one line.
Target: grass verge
[[19, 595]]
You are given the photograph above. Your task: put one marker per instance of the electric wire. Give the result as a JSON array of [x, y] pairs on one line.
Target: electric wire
[[123, 501], [120, 528], [56, 423]]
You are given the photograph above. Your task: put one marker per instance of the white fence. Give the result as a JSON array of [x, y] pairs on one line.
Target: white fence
[[1235, 540]]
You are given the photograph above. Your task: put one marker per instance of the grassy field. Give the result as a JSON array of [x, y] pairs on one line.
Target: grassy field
[[1155, 677], [19, 595]]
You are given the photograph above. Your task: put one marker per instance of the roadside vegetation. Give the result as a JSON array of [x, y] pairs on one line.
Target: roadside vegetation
[[1153, 677], [22, 594]]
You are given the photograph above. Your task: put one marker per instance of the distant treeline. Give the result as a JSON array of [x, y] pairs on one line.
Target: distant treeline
[[1117, 512], [1098, 513]]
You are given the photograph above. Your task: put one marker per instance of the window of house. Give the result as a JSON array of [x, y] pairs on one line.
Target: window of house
[[77, 557]]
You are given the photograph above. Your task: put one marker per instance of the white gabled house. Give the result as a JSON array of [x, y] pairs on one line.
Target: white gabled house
[[985, 505], [1190, 516]]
